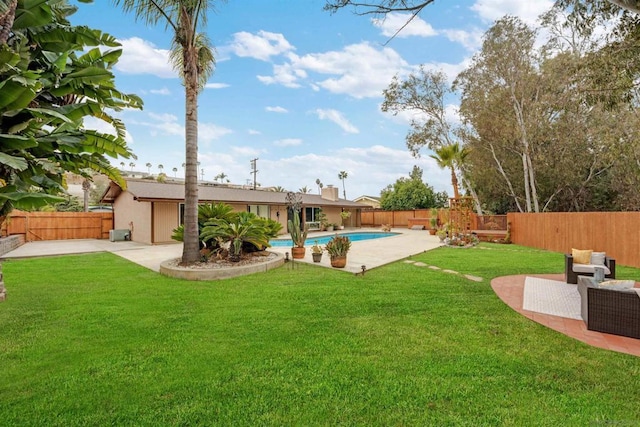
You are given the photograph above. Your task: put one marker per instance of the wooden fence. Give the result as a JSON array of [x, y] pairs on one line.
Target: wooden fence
[[616, 233], [377, 217], [58, 225]]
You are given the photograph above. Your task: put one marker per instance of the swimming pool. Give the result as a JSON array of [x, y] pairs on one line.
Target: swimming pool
[[323, 240]]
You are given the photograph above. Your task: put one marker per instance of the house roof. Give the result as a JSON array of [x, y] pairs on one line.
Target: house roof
[[364, 196], [148, 190]]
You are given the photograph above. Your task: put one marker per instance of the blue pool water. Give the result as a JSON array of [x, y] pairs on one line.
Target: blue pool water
[[322, 240]]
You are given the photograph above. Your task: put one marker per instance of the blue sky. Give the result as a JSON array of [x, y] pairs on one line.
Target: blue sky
[[296, 87]]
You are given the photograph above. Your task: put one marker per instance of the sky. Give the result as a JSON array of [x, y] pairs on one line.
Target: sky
[[295, 87]]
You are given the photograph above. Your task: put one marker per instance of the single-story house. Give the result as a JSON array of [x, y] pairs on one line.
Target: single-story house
[[151, 210]]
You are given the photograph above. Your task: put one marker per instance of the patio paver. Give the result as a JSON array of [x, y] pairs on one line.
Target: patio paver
[[510, 290]]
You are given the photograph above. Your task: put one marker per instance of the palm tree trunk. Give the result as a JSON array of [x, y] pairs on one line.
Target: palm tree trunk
[[6, 21], [454, 182], [191, 248]]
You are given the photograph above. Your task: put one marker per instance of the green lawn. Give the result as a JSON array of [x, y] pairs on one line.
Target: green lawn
[[97, 340]]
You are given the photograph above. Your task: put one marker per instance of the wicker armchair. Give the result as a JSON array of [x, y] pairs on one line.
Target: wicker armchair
[[612, 311], [572, 276]]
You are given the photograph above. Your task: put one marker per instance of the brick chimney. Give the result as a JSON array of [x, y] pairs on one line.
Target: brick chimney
[[330, 193]]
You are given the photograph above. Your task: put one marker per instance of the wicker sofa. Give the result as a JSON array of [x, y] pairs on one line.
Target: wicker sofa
[[572, 271], [613, 311]]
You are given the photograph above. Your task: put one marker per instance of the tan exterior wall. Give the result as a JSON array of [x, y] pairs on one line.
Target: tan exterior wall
[[166, 217], [133, 215]]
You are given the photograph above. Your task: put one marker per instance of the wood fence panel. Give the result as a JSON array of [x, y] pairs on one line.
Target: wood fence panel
[[366, 218], [617, 233], [36, 226]]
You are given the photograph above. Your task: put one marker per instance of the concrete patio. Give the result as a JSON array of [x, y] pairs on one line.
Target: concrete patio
[[370, 253]]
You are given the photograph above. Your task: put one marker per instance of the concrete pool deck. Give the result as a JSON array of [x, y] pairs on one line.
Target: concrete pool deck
[[370, 253]]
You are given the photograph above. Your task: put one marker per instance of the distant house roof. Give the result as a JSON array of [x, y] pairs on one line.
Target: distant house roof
[[148, 190], [365, 197]]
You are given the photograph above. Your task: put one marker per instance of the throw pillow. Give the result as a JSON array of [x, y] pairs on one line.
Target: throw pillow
[[581, 256], [598, 258]]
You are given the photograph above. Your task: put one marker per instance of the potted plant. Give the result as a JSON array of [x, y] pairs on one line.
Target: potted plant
[[442, 233], [433, 221], [345, 215], [316, 252], [298, 236], [337, 249]]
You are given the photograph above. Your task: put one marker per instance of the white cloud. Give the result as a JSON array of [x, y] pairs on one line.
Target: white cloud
[[361, 70], [216, 85], [276, 109], [142, 57], [370, 169], [471, 40], [168, 124], [262, 46], [528, 11], [246, 151], [208, 132], [393, 22], [104, 127], [336, 117], [284, 74], [163, 91], [288, 142], [254, 132]]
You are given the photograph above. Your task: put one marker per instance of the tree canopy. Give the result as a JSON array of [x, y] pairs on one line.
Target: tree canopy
[[53, 76], [411, 193]]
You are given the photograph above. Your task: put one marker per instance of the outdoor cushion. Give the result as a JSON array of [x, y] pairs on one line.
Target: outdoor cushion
[[581, 256], [589, 268], [598, 258], [617, 284]]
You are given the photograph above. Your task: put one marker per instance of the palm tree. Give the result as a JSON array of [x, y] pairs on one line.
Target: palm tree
[[122, 165], [175, 172], [451, 157], [160, 167], [148, 165], [279, 189], [192, 55], [343, 175], [304, 190], [132, 165], [320, 185]]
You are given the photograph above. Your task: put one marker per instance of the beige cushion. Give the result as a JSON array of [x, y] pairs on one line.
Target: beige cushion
[[589, 268], [598, 258], [581, 256]]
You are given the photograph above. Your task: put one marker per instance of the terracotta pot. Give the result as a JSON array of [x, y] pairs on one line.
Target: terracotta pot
[[298, 253], [317, 257], [339, 261], [432, 231]]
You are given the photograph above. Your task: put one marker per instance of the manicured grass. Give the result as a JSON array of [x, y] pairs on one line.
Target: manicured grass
[[96, 340]]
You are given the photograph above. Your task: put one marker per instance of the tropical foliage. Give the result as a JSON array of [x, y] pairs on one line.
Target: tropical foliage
[[52, 77], [242, 231], [220, 227]]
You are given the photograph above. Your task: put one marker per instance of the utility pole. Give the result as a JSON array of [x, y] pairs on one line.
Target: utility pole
[[254, 171]]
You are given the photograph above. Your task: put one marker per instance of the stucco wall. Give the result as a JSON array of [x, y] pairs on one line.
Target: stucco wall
[[133, 215]]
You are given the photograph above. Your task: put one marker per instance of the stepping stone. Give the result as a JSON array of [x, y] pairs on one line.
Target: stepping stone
[[420, 264], [473, 278], [409, 261], [450, 271], [433, 267]]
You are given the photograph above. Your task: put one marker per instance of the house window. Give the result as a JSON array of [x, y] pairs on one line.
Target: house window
[[262, 211], [311, 214], [181, 214]]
